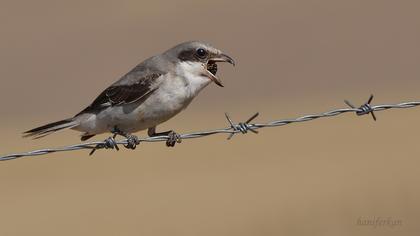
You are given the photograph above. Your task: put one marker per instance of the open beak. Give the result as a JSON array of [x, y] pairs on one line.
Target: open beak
[[212, 67]]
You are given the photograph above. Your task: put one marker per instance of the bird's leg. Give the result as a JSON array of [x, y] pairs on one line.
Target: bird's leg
[[173, 137], [132, 140]]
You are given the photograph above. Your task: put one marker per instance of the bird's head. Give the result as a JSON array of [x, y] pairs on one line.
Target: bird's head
[[201, 57]]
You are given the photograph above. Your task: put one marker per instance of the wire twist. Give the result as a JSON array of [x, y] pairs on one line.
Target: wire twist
[[241, 127], [364, 109]]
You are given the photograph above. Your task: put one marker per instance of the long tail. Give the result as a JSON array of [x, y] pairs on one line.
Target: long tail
[[45, 130]]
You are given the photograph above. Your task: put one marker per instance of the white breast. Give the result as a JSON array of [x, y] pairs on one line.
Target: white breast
[[176, 91]]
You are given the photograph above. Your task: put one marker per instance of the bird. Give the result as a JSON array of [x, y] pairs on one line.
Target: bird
[[151, 93]]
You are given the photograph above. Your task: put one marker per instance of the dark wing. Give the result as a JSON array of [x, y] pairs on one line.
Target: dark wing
[[126, 91]]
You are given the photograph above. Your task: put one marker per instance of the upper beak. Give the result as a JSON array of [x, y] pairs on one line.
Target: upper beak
[[223, 58], [220, 58]]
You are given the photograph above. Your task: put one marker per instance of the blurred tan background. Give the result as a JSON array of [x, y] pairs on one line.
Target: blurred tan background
[[293, 58]]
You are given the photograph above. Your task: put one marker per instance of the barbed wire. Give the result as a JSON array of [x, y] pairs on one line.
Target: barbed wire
[[232, 129]]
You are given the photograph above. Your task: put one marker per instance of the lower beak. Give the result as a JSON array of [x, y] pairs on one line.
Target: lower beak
[[214, 78], [219, 58]]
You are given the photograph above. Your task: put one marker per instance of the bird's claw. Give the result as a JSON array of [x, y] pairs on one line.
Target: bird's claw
[[132, 141], [173, 138]]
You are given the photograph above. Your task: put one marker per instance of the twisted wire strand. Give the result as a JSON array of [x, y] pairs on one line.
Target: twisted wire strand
[[232, 129]]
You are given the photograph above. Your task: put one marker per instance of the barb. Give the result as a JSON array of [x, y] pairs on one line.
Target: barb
[[242, 127], [364, 109], [232, 129]]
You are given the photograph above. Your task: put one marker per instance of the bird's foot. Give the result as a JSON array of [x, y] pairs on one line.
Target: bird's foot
[[132, 140], [173, 138]]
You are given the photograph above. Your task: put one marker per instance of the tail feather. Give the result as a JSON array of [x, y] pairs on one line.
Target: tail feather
[[47, 129]]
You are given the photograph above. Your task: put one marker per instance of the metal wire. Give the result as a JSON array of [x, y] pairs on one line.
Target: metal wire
[[232, 129]]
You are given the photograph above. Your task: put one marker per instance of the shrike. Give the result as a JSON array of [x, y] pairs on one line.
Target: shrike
[[151, 93]]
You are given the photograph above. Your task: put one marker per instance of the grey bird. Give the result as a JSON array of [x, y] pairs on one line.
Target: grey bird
[[151, 93]]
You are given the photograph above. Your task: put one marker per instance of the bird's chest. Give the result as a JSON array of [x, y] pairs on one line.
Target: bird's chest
[[176, 92], [173, 95]]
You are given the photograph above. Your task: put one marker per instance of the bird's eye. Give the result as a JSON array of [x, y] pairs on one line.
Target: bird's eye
[[201, 53]]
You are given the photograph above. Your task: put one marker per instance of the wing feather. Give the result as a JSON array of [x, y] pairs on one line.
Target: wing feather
[[124, 93]]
